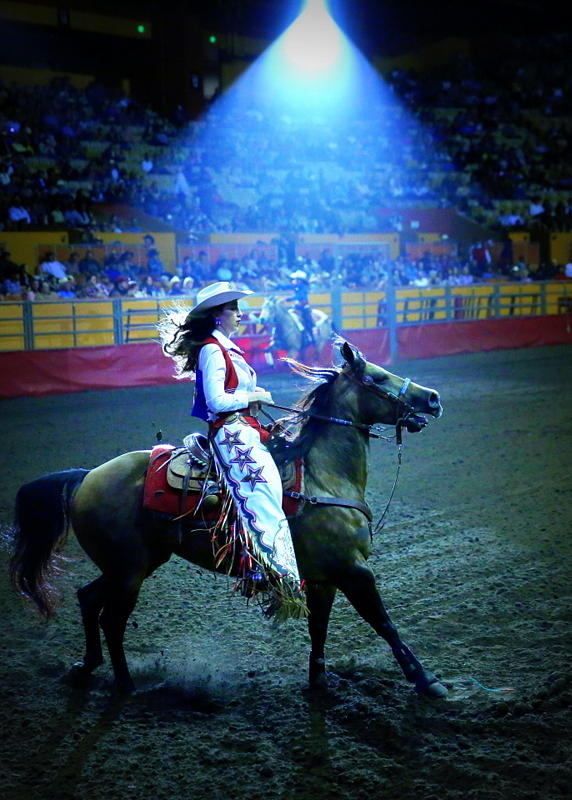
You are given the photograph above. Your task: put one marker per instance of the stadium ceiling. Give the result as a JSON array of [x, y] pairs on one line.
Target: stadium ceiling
[[371, 22]]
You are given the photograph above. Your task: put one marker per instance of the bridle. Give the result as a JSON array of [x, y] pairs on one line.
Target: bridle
[[405, 409], [404, 412]]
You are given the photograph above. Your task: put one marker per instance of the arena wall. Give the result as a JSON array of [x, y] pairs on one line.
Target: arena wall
[[45, 372]]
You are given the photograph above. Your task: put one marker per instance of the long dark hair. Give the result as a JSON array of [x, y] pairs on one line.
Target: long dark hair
[[187, 337]]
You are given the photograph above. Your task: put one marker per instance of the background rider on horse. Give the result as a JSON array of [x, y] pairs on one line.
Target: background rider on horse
[[301, 287]]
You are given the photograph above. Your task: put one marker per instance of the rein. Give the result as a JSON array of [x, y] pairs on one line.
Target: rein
[[335, 420], [366, 382]]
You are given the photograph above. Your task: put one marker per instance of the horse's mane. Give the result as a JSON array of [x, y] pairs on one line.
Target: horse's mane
[[299, 432]]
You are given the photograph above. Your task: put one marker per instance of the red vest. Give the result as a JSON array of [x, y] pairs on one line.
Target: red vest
[[230, 384]]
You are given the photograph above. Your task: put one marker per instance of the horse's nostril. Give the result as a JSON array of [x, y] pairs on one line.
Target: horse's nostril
[[434, 400]]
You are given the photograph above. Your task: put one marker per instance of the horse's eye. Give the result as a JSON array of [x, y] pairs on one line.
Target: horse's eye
[[367, 379]]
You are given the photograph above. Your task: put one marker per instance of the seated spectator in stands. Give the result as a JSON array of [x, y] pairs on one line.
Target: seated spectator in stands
[[201, 270], [89, 265], [6, 172], [72, 264], [18, 215], [453, 275], [120, 287], [46, 293], [536, 208], [399, 278], [112, 268], [421, 281], [127, 264], [480, 257], [465, 276], [94, 287], [149, 288], [175, 286], [56, 214], [185, 268], [72, 217], [11, 286], [155, 266], [147, 164], [132, 288], [520, 271], [66, 288], [511, 219], [31, 292], [9, 267], [223, 271], [51, 267], [188, 286]]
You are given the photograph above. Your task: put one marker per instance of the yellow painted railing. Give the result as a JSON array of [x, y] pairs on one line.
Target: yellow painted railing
[[87, 323]]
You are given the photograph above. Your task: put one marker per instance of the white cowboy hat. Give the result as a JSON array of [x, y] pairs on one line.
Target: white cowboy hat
[[298, 274], [216, 294]]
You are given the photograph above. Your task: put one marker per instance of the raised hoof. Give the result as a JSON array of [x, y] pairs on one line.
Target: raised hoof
[[430, 686]]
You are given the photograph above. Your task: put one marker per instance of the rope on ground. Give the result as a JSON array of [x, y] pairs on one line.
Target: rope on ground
[[487, 689]]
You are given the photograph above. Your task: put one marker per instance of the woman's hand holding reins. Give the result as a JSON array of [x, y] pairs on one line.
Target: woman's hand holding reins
[[259, 396]]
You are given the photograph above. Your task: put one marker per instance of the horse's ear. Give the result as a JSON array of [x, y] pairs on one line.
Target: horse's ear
[[352, 357]]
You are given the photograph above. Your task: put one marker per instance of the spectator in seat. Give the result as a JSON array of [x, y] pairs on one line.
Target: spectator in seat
[[51, 267], [89, 265]]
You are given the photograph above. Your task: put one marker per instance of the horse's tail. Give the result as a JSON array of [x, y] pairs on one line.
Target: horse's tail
[[41, 521]]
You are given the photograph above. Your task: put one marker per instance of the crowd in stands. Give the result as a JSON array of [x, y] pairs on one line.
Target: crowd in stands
[[118, 273], [488, 137]]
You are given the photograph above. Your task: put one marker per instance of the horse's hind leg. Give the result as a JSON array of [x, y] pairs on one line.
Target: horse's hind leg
[[91, 599], [319, 598], [120, 599], [359, 587]]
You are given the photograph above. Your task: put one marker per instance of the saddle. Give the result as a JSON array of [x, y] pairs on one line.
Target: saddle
[[183, 480], [191, 465]]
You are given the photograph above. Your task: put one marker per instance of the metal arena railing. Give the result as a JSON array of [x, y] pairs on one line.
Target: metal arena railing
[[87, 323]]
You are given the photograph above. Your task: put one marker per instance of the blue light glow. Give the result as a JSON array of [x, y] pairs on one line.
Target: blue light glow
[[313, 44], [312, 67]]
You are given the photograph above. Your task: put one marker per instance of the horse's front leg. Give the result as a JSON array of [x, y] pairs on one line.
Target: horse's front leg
[[358, 585], [319, 598]]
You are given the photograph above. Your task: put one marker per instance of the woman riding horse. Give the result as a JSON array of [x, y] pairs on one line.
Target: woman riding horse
[[331, 525], [228, 398]]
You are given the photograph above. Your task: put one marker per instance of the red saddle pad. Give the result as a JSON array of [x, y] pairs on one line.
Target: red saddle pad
[[159, 496]]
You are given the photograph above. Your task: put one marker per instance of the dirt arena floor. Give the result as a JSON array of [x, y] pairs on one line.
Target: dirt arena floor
[[474, 565]]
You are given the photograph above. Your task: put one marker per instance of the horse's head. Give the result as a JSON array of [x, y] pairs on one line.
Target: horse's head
[[384, 397], [267, 311]]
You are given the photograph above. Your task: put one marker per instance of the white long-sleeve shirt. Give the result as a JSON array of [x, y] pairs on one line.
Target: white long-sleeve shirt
[[213, 368]]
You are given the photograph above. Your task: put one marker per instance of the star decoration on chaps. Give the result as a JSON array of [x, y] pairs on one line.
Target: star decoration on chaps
[[230, 439], [254, 477], [243, 457]]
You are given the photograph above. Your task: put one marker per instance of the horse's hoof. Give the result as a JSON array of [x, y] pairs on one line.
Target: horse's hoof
[[429, 685], [78, 675], [319, 682], [124, 688]]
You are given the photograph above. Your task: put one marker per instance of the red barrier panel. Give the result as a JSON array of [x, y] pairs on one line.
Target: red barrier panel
[[44, 372], [451, 338], [373, 343]]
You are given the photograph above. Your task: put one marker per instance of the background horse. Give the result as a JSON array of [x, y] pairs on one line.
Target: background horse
[[331, 531], [287, 330]]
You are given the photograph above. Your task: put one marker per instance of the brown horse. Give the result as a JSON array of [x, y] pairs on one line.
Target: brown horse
[[331, 531]]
